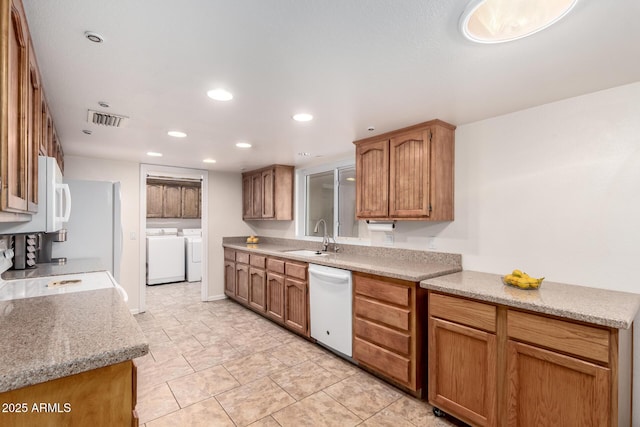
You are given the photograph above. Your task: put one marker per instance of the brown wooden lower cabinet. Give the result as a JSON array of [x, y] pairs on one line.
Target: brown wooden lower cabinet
[[387, 328], [273, 287], [491, 365], [100, 397]]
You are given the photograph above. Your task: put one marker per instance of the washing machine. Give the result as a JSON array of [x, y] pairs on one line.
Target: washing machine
[[193, 253], [165, 256]]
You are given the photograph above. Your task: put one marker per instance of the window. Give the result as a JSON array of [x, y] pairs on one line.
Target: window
[[328, 193]]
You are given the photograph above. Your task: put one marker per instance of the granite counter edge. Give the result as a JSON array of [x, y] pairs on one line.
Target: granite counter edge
[[43, 374], [564, 313]]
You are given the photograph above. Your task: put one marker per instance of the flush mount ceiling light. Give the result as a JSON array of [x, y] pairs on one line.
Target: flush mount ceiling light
[[208, 161], [94, 37], [243, 145], [104, 104], [302, 117], [154, 154], [220, 95], [497, 21], [304, 154], [177, 134]]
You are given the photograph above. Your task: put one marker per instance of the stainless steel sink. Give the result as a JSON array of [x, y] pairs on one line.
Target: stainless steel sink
[[306, 252]]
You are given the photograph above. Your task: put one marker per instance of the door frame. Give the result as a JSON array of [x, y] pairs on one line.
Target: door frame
[[171, 171]]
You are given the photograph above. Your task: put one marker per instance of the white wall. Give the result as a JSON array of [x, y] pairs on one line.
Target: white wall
[[225, 219], [128, 174]]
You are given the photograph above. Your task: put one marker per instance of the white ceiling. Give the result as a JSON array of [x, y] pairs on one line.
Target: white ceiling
[[351, 63]]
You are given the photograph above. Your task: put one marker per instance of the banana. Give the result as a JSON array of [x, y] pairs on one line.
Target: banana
[[522, 280]]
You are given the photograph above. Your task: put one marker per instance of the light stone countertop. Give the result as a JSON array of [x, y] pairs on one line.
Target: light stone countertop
[[592, 305], [408, 265], [72, 266], [46, 338]]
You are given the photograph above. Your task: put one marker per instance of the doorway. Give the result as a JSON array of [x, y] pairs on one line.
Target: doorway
[[173, 176]]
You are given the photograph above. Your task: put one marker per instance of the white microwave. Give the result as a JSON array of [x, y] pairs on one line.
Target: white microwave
[[54, 202]]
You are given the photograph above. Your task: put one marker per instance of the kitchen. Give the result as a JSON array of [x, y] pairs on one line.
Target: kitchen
[[545, 172]]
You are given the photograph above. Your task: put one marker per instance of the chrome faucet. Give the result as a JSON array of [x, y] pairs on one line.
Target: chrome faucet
[[325, 236]]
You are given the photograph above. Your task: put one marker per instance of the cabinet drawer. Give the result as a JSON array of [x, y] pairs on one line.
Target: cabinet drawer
[[242, 257], [396, 341], [382, 290], [470, 313], [383, 313], [573, 338], [296, 270], [258, 260], [229, 254], [384, 361], [275, 265]]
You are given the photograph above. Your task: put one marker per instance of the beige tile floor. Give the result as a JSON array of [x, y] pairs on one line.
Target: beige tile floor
[[219, 364]]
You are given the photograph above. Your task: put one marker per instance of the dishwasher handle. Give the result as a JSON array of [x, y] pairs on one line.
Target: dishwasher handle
[[330, 277]]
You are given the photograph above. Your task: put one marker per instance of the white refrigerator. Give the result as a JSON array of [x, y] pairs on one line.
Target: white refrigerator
[[94, 229]]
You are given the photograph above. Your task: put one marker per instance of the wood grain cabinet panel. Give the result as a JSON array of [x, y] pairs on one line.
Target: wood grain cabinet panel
[[296, 307], [102, 397], [242, 283], [275, 296], [172, 202], [372, 179], [34, 131], [462, 371], [14, 158], [230, 278], [406, 174], [267, 193], [258, 288], [190, 202], [155, 200], [550, 389]]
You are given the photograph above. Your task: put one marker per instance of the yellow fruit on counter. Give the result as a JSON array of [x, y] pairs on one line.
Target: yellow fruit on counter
[[522, 280], [517, 273]]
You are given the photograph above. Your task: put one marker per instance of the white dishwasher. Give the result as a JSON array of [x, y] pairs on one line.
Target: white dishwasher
[[330, 307]]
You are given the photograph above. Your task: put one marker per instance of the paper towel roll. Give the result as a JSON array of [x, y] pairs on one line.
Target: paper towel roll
[[380, 226]]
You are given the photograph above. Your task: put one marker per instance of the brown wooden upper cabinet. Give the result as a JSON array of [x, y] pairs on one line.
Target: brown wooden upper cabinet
[[267, 193], [406, 174], [20, 84], [173, 199]]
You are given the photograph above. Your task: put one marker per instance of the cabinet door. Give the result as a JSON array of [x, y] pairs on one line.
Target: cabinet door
[[551, 389], [247, 197], [275, 296], [462, 371], [172, 203], [409, 160], [155, 196], [295, 305], [256, 196], [34, 131], [268, 194], [14, 148], [230, 278], [257, 288], [190, 202], [372, 179], [242, 283]]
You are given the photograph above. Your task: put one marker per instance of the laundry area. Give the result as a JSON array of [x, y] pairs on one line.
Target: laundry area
[[173, 230]]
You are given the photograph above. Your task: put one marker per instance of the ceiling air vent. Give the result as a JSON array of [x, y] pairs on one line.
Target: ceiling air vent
[[106, 119]]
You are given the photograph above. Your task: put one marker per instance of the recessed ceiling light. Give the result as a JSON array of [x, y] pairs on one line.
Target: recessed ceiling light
[[497, 21], [87, 131], [154, 154], [94, 37], [243, 145], [208, 161], [104, 104], [304, 154], [351, 178], [177, 134], [302, 117], [220, 95]]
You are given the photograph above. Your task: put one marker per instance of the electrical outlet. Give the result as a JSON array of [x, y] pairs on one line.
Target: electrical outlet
[[388, 239], [431, 242]]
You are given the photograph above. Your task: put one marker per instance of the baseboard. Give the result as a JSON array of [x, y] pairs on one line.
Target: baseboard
[[217, 297]]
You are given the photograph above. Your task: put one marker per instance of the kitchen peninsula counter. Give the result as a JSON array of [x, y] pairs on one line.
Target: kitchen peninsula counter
[[51, 337], [602, 307], [411, 265]]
